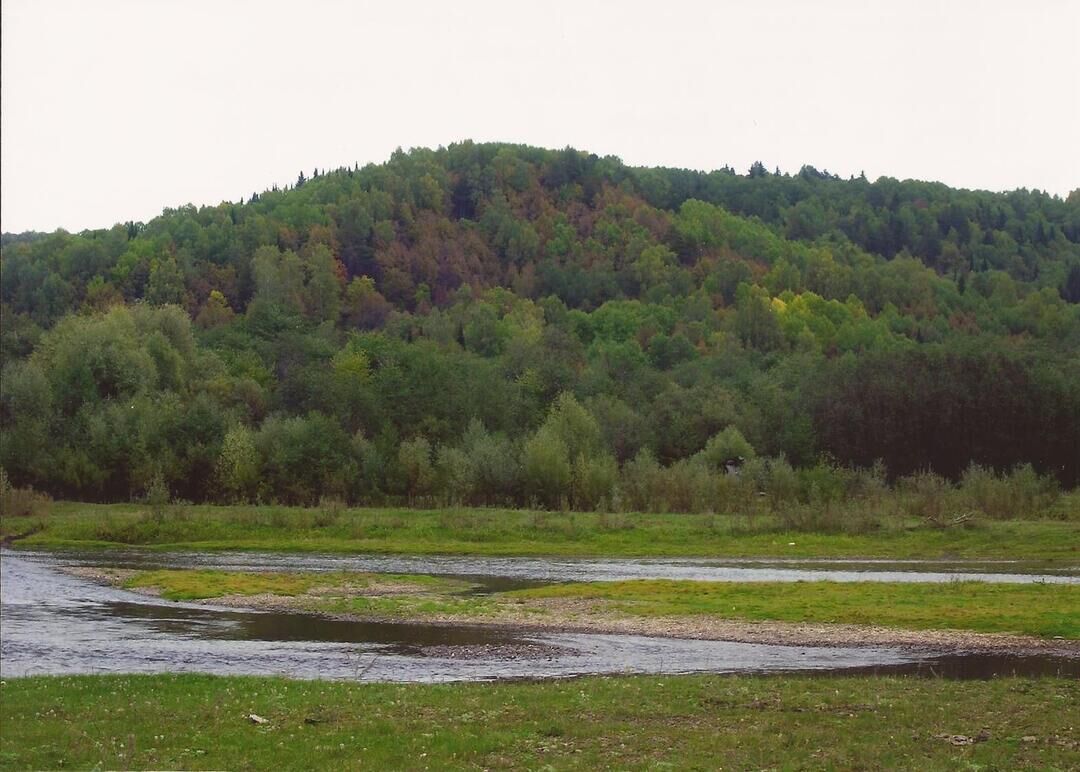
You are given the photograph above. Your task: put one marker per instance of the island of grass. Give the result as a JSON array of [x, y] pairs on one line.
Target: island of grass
[[666, 607]]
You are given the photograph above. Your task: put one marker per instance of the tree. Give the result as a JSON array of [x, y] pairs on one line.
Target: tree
[[547, 469], [166, 284], [414, 458], [279, 279], [25, 416], [455, 474], [495, 464], [641, 484], [755, 323], [1070, 289], [594, 482], [101, 296], [237, 468], [322, 290], [303, 458], [89, 359], [725, 446], [481, 330], [364, 306], [215, 312]]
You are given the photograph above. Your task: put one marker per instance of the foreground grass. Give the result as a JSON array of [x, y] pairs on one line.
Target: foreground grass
[[512, 532], [1039, 610], [1030, 609], [684, 722]]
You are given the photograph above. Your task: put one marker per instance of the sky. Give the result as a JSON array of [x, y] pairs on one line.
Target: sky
[[115, 109]]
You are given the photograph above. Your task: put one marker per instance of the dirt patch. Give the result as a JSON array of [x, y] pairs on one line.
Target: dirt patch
[[113, 577], [263, 601], [371, 588], [581, 615], [488, 651]]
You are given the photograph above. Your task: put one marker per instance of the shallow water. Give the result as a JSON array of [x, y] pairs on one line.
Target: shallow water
[[503, 573], [55, 623], [52, 623]]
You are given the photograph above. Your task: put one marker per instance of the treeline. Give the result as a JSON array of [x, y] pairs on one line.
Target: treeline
[[494, 324]]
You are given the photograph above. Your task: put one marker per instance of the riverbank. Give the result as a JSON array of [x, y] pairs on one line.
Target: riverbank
[[514, 532], [684, 722], [961, 616]]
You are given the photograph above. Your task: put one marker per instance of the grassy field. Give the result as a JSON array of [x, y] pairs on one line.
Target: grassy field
[[671, 722], [510, 532], [1034, 609]]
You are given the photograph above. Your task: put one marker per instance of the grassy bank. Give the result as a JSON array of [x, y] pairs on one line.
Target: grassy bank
[[1039, 610], [514, 532], [687, 722]]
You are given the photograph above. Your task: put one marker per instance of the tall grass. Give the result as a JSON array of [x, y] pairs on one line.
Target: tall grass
[[22, 502], [829, 497]]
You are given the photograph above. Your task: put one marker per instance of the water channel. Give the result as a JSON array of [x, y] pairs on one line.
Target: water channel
[[52, 622], [509, 571]]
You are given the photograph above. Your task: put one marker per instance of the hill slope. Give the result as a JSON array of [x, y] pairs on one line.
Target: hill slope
[[498, 323]]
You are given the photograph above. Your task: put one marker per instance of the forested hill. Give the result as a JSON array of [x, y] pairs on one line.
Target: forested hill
[[505, 324]]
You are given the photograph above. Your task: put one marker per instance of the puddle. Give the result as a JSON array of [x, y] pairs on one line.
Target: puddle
[[53, 623]]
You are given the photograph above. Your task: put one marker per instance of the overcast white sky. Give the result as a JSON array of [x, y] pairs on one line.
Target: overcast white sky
[[114, 109]]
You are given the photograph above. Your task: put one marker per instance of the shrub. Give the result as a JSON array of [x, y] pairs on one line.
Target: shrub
[[829, 517], [594, 482], [1022, 493], [496, 465], [641, 484], [157, 496], [871, 487], [782, 483], [927, 495], [690, 486], [456, 477], [606, 521], [824, 482], [414, 459], [237, 467], [21, 502], [330, 510], [547, 468], [724, 446]]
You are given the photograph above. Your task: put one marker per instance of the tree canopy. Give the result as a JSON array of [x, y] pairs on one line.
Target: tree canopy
[[501, 324]]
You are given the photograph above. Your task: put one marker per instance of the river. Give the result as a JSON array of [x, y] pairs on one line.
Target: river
[[53, 623]]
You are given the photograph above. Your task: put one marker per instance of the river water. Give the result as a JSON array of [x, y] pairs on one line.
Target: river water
[[51, 623], [509, 571]]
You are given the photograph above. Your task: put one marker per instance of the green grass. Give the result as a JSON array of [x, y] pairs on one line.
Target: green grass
[[685, 722], [402, 596], [1031, 609], [197, 584], [512, 532]]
